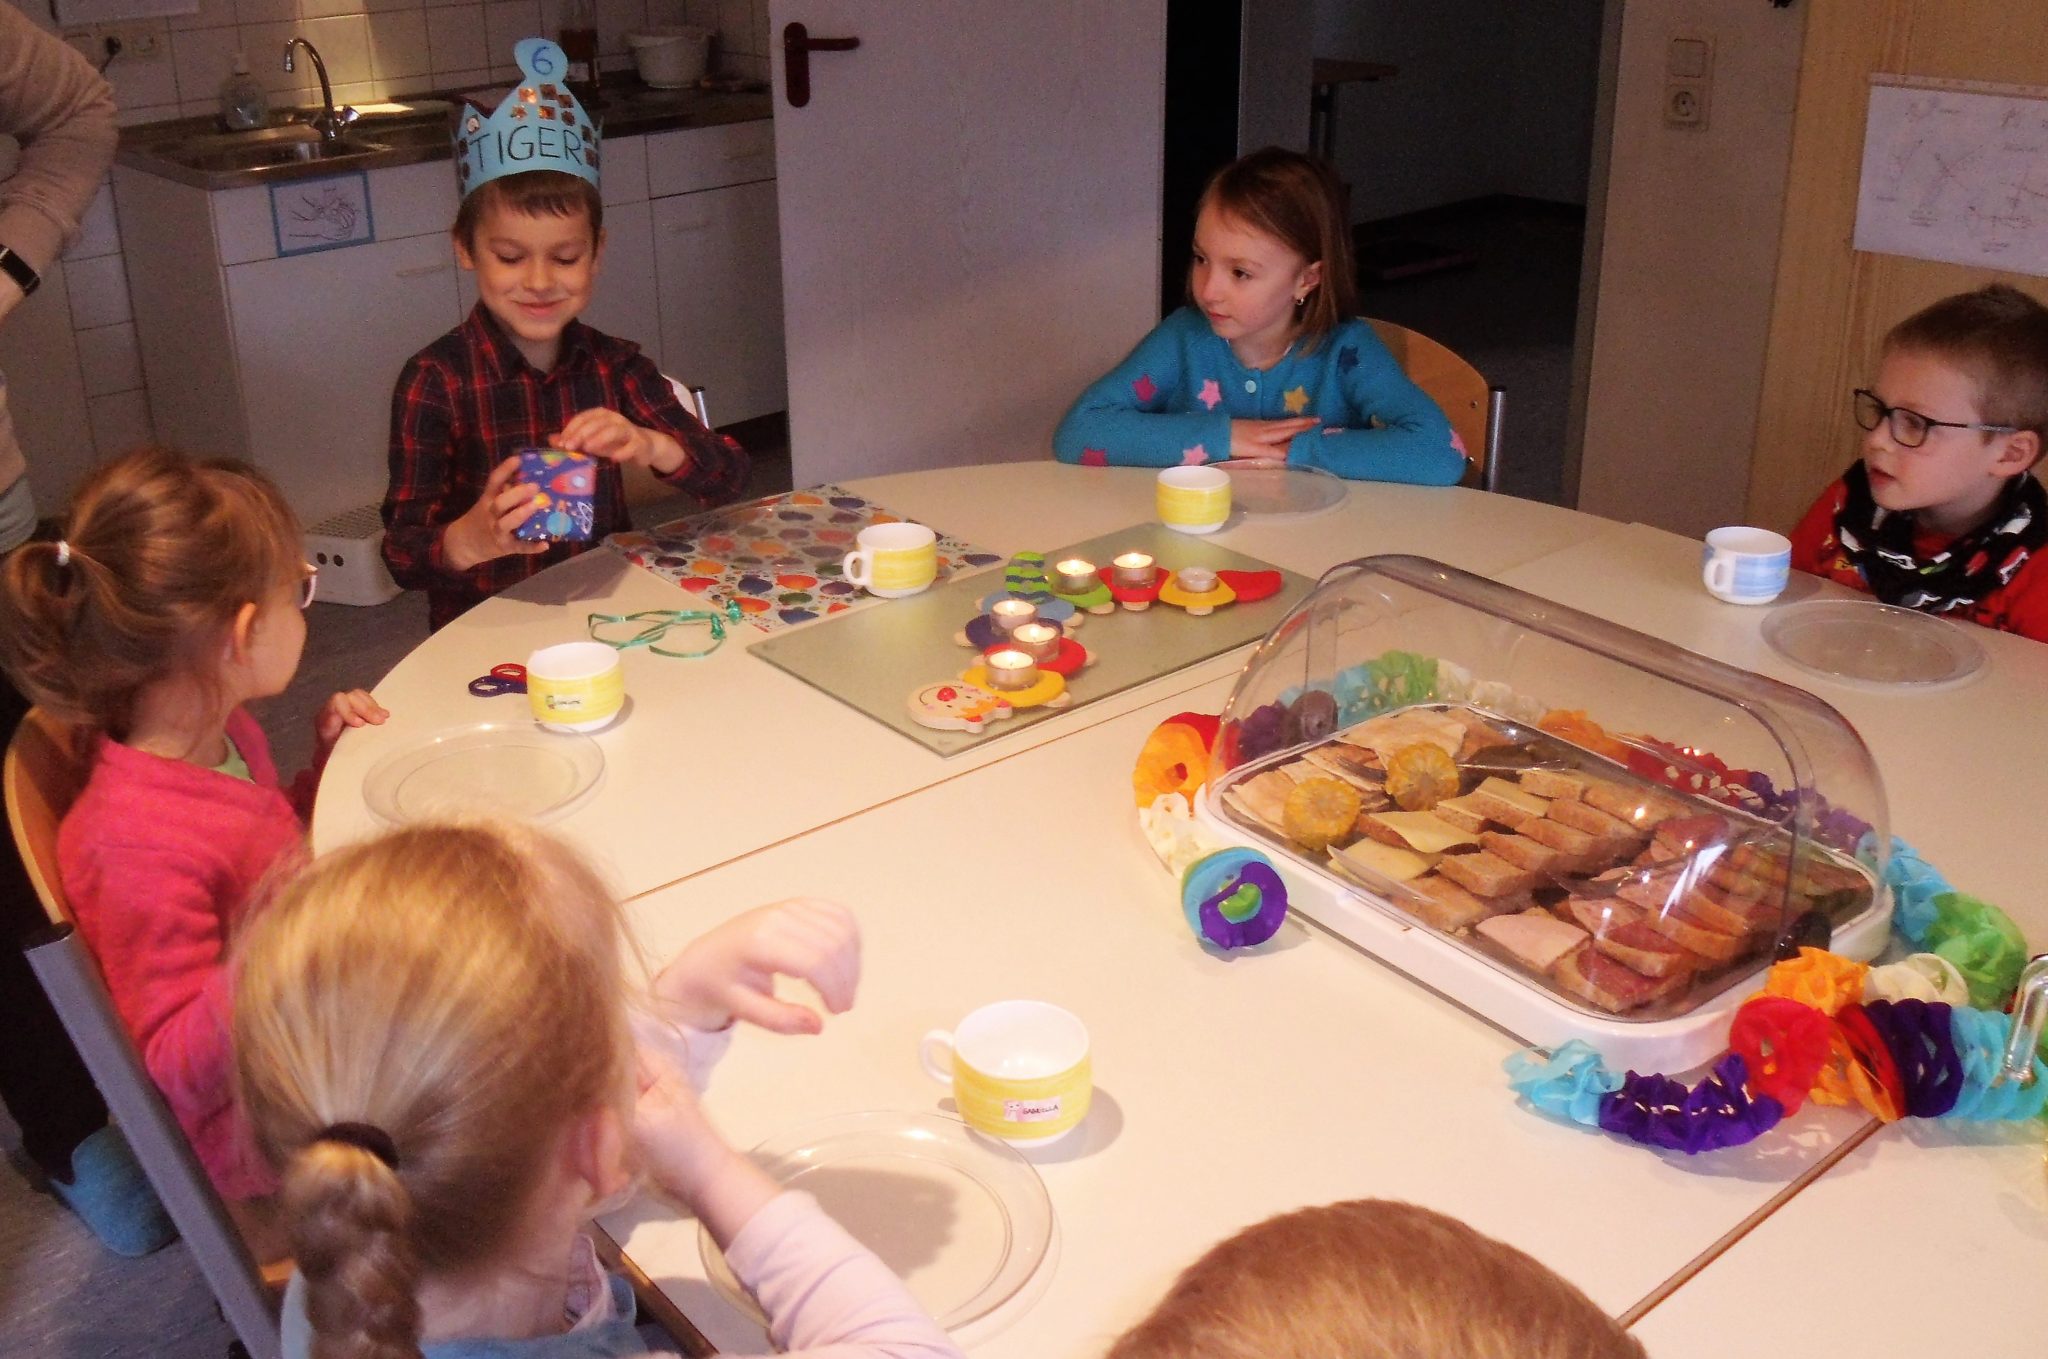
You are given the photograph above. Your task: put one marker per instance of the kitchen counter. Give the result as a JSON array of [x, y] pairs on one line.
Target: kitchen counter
[[196, 152]]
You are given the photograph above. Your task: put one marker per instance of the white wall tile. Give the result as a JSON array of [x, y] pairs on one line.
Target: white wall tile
[[736, 27], [327, 9], [615, 19], [99, 233], [344, 45], [265, 12], [145, 80], [99, 292], [761, 35], [703, 13], [202, 58], [459, 81], [120, 422], [505, 23], [129, 115], [211, 14], [109, 359], [386, 6], [455, 38], [398, 44], [265, 45]]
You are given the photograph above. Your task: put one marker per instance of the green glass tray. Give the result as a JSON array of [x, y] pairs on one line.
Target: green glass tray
[[874, 658]]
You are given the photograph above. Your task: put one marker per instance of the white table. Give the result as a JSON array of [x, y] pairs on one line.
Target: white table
[[1232, 1089], [680, 793]]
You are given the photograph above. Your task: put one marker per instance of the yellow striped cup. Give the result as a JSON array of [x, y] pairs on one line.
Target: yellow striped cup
[[1193, 499], [576, 686], [893, 560], [1019, 1070]]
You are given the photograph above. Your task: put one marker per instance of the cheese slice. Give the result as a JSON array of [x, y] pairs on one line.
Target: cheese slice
[[1514, 795], [1370, 860], [1425, 831]]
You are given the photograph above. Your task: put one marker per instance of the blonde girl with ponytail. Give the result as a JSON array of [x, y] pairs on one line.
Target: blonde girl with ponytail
[[173, 597], [434, 1047]]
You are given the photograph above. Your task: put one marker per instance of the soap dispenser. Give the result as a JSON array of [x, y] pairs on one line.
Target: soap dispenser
[[243, 104]]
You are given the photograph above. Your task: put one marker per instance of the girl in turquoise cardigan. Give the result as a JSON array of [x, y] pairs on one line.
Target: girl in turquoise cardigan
[[1269, 360]]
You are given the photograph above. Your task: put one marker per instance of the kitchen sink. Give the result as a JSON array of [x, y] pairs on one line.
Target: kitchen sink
[[291, 145]]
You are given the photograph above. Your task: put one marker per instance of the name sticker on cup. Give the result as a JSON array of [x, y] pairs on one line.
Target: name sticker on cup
[[1031, 1110]]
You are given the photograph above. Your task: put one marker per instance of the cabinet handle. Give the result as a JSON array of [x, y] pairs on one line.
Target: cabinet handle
[[797, 46], [422, 270]]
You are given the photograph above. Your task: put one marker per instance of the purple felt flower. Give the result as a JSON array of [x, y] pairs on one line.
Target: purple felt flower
[[1718, 1112], [1253, 883]]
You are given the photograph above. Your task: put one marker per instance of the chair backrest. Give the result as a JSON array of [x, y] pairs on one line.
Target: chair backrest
[[43, 774], [642, 486], [1472, 407]]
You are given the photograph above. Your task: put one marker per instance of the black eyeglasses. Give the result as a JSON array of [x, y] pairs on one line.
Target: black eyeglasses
[[1909, 428]]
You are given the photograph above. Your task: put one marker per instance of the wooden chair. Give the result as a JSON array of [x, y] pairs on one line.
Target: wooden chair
[[642, 486], [42, 777], [1473, 407]]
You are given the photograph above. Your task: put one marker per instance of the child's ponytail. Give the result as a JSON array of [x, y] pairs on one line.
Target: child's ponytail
[[156, 556], [351, 1234]]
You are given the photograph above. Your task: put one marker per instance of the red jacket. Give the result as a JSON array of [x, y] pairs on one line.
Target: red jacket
[[159, 857], [2021, 606]]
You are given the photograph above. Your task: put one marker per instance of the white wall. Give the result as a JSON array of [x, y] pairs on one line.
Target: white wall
[[1273, 74], [1689, 254], [75, 385], [1490, 97]]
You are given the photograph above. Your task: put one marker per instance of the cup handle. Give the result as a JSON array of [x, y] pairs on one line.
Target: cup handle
[[935, 1054], [858, 568], [1720, 573]]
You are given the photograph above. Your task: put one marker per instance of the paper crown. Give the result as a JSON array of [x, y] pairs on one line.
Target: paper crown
[[539, 126]]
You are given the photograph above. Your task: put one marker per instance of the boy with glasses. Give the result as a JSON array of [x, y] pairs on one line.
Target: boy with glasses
[[1942, 514]]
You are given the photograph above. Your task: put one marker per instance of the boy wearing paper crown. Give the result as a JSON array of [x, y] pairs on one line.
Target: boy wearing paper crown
[[522, 370]]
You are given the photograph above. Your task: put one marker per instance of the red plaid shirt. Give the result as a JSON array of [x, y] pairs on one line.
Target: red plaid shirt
[[470, 400]]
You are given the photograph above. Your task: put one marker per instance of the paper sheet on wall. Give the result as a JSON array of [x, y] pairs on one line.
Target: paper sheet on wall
[[1956, 172], [78, 13]]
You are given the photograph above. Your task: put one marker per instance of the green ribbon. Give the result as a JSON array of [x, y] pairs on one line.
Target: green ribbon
[[655, 623]]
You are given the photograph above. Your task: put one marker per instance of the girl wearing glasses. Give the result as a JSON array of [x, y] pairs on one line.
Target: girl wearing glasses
[[173, 599], [1942, 513]]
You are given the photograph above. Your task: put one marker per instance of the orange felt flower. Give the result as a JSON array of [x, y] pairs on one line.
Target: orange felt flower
[[1826, 981], [1175, 759], [1572, 724]]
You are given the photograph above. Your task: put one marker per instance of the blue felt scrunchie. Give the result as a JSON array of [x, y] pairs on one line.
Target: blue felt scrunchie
[[1570, 1083]]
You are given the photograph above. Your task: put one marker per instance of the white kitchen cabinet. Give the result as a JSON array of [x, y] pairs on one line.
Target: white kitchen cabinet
[[317, 395], [718, 261]]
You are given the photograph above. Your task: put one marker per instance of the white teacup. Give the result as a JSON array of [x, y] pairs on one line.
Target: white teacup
[[1019, 1070], [893, 560], [1742, 565]]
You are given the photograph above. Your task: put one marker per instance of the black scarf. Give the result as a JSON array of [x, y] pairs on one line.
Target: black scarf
[[1961, 575]]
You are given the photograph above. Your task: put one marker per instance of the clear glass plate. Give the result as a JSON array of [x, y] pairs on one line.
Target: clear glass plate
[[1265, 491], [510, 769], [1872, 645], [962, 1219]]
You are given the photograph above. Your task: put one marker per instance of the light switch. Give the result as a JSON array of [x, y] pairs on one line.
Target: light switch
[[1688, 58]]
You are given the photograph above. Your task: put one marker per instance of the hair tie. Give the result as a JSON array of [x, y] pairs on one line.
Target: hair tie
[[364, 1136], [63, 553]]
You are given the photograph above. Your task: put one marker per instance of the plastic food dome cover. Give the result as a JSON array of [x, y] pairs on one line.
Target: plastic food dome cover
[[1573, 829]]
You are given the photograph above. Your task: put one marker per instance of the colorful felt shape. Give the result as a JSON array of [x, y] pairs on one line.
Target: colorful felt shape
[[1252, 586], [1071, 657], [1049, 690], [1208, 601], [1138, 598], [1174, 759], [565, 510], [1050, 609], [1096, 600], [954, 706], [1233, 898]]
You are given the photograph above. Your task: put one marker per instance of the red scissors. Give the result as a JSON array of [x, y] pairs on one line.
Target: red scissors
[[509, 678]]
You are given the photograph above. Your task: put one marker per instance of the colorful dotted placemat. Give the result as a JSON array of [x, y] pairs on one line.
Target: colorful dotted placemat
[[777, 558]]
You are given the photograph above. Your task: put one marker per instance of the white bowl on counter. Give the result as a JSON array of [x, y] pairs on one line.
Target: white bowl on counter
[[672, 57]]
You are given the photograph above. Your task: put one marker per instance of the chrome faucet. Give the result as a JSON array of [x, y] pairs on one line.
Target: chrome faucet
[[330, 120]]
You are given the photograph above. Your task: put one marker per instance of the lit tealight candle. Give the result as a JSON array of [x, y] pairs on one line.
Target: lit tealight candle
[[1011, 670], [1039, 641], [1196, 580], [1076, 577], [1135, 571], [1011, 614]]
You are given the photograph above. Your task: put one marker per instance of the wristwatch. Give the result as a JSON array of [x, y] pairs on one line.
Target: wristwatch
[[20, 270]]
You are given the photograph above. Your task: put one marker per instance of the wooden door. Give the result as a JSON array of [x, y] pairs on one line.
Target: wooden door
[[1833, 304], [969, 210]]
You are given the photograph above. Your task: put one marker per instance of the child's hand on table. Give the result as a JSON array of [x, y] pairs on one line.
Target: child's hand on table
[[729, 973], [485, 533], [352, 708], [604, 433], [1267, 440]]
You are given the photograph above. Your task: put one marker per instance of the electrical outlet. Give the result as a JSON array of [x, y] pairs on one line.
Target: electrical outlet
[[103, 42], [1685, 103]]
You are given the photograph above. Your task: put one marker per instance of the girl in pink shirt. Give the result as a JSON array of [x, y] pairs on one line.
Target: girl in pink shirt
[[174, 598], [435, 1048]]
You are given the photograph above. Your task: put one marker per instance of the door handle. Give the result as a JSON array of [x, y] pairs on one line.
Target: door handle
[[797, 46]]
